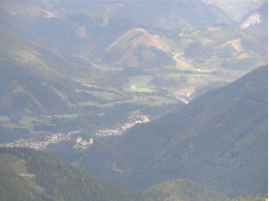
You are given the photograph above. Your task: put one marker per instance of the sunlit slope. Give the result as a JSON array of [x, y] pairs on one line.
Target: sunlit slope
[[24, 10], [218, 140], [222, 47], [138, 48], [33, 58], [256, 21], [40, 176], [120, 44], [81, 37]]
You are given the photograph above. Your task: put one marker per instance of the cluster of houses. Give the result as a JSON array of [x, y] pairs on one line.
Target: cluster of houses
[[107, 132], [57, 137], [140, 97], [83, 144], [50, 116], [25, 143], [41, 144], [134, 119]]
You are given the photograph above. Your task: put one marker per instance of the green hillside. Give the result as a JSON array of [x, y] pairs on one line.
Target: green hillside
[[34, 175], [40, 176], [184, 64], [102, 69], [220, 133], [223, 132], [27, 174], [37, 81]]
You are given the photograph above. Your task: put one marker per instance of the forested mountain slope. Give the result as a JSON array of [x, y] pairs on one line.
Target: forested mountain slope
[[219, 140], [35, 80], [34, 175], [167, 15]]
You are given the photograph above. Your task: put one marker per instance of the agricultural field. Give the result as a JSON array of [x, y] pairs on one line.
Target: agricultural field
[[140, 80], [26, 121], [4, 118], [148, 100], [140, 89], [68, 116], [182, 64], [104, 95]]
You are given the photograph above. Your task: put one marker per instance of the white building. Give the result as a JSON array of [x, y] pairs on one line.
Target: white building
[[79, 139]]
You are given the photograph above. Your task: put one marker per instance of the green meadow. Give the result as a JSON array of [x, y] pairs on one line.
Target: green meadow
[[4, 118], [68, 116], [104, 95], [140, 89], [140, 80], [182, 64], [149, 100]]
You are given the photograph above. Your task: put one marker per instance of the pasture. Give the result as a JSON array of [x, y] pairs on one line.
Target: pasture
[[104, 95], [68, 116], [148, 100], [182, 64], [4, 118], [140, 89], [140, 80]]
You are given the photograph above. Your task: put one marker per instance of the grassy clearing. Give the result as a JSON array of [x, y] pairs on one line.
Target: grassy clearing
[[68, 116], [11, 125], [87, 85], [104, 95], [140, 80], [182, 64], [26, 121], [140, 89], [101, 114], [42, 121], [149, 100], [4, 118]]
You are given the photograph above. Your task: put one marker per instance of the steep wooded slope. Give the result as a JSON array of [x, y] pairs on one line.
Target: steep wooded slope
[[219, 140], [35, 80], [34, 175]]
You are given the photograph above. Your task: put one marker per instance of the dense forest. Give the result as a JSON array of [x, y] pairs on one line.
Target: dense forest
[[27, 174]]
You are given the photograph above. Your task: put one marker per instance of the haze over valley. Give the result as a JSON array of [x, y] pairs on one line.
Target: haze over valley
[[134, 100]]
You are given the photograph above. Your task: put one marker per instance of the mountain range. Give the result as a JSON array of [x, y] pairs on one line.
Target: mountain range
[[237, 9], [173, 96]]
